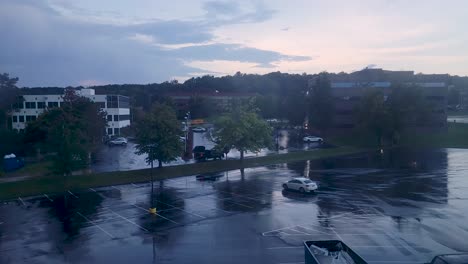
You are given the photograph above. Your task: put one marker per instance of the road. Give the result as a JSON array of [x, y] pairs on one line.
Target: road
[[401, 207]]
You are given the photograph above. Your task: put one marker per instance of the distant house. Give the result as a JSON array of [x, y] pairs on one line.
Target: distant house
[[35, 101]]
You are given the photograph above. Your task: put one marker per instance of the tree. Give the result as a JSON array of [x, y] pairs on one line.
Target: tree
[[8, 94], [243, 130], [71, 132], [321, 102], [387, 116], [158, 135], [373, 116]]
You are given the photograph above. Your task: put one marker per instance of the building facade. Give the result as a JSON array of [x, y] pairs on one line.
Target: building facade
[[117, 108], [348, 90], [347, 96]]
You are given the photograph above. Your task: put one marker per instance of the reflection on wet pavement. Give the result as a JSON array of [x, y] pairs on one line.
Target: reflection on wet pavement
[[404, 206], [123, 158]]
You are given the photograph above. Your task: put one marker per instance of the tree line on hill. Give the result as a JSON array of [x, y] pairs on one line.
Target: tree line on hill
[[277, 95]]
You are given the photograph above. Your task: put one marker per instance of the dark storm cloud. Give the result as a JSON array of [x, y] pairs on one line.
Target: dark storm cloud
[[46, 48], [233, 52]]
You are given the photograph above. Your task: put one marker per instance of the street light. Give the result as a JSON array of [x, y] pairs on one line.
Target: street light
[[187, 125]]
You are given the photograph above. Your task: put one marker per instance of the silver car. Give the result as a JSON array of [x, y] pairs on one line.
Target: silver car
[[300, 184]]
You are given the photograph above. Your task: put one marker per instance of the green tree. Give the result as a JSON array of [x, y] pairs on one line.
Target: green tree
[[388, 116], [158, 135], [70, 131], [373, 115], [8, 94], [243, 130], [320, 101]]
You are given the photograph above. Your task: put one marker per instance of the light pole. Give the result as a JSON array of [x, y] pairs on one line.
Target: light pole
[[187, 126]]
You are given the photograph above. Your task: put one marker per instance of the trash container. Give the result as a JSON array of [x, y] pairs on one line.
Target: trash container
[[330, 251], [11, 163]]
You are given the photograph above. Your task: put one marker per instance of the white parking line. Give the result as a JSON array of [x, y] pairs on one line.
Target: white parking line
[[175, 207], [96, 225], [98, 193], [156, 214], [390, 234], [21, 200], [130, 221], [46, 196], [73, 194]]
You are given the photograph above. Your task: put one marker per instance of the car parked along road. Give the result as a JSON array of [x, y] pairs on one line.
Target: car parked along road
[[120, 141]]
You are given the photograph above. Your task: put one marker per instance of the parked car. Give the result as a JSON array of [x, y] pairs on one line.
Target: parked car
[[300, 184], [120, 141], [199, 129], [309, 139], [200, 153], [209, 176]]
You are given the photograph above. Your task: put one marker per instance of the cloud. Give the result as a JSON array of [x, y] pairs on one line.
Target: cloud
[[56, 46], [233, 52]]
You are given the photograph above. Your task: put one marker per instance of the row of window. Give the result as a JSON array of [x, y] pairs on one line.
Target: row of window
[[21, 119], [116, 118], [42, 105], [32, 118]]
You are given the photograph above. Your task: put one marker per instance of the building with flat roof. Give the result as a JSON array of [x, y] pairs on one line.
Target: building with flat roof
[[348, 90], [347, 96], [33, 103]]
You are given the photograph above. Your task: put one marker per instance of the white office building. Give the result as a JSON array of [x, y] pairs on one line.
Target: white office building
[[117, 108]]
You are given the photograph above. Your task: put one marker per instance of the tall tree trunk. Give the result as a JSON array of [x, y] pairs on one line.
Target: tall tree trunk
[[242, 155], [159, 164]]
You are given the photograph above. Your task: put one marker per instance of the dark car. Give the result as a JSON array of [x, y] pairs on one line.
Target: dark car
[[200, 153], [209, 176]]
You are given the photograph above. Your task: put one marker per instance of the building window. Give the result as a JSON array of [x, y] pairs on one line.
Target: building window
[[124, 117], [30, 105], [15, 119], [30, 118], [112, 101], [109, 118], [41, 105], [21, 119], [109, 131], [116, 118], [116, 131], [124, 101], [52, 104]]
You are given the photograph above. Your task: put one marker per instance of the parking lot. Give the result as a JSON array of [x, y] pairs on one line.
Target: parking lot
[[123, 158], [402, 207]]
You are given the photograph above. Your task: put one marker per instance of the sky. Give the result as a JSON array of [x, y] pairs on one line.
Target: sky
[[88, 42]]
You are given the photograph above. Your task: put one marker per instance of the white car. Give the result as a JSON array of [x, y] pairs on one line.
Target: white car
[[312, 139], [199, 129], [300, 184], [120, 141]]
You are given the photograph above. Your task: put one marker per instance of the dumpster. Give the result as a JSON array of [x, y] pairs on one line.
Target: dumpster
[[330, 251], [11, 163]]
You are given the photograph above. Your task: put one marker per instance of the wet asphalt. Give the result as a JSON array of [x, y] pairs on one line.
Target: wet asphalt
[[404, 206], [123, 158]]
